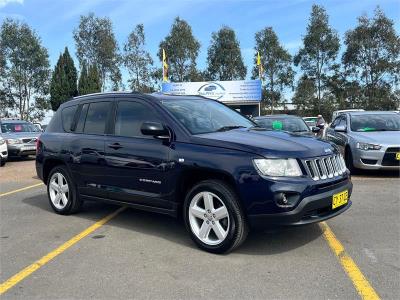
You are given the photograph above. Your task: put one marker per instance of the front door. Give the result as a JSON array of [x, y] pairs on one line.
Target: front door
[[137, 165]]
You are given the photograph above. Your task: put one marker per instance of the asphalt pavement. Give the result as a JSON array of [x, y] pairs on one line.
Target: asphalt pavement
[[143, 255]]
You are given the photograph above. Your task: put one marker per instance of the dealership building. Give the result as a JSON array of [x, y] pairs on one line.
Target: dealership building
[[242, 95]]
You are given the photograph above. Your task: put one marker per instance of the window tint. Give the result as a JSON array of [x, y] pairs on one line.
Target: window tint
[[82, 117], [130, 116], [96, 118], [67, 116]]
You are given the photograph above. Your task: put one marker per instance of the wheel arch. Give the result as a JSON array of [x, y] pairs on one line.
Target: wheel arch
[[48, 165]]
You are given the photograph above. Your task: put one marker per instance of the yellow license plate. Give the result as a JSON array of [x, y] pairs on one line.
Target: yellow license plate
[[398, 155], [340, 199]]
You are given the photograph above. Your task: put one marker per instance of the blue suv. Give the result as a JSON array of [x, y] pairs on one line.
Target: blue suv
[[192, 157]]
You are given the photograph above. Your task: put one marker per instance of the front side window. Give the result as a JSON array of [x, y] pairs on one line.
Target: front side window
[[130, 117], [286, 124], [204, 116], [375, 122], [96, 118]]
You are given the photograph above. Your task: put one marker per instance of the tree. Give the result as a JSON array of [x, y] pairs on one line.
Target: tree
[[138, 61], [25, 70], [224, 56], [320, 49], [89, 80], [304, 96], [182, 49], [71, 73], [96, 45], [63, 84], [372, 57], [276, 64]]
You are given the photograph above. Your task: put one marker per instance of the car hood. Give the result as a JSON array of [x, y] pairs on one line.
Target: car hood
[[377, 137], [267, 143], [20, 135]]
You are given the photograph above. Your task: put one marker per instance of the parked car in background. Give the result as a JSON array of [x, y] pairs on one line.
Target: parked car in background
[[20, 136], [368, 140], [3, 152], [310, 121], [336, 113], [189, 156], [288, 123]]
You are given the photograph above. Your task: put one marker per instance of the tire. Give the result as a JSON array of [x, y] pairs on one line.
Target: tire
[[60, 183], [2, 162], [230, 222], [349, 161]]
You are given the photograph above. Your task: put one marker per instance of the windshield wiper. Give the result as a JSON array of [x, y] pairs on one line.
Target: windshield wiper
[[226, 128]]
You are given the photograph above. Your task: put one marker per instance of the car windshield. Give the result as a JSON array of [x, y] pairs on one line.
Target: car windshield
[[287, 124], [18, 127], [204, 116], [378, 122]]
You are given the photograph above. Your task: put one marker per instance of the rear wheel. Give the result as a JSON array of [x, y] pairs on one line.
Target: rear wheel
[[62, 192], [214, 218]]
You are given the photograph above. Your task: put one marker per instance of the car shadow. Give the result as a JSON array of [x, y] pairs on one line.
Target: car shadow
[[376, 173], [274, 241]]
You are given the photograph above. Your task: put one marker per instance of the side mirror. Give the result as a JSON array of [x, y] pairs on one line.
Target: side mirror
[[315, 129], [154, 129], [340, 128]]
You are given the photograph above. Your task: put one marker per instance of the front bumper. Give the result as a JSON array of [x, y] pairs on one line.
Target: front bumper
[[383, 159], [312, 209], [22, 149]]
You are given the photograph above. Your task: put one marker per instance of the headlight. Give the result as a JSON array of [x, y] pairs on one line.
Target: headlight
[[13, 141], [278, 167], [2, 142], [366, 146]]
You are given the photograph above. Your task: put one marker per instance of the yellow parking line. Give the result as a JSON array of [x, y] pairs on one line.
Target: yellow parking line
[[21, 189], [9, 283], [364, 289]]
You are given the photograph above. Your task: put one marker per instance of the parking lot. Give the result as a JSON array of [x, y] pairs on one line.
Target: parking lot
[[134, 254]]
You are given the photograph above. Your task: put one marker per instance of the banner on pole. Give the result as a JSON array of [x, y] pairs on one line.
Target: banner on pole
[[224, 91]]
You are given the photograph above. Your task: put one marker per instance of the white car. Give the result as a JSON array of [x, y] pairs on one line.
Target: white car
[[3, 152]]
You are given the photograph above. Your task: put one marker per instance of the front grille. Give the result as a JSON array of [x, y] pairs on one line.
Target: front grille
[[389, 159], [29, 140], [393, 150], [324, 167]]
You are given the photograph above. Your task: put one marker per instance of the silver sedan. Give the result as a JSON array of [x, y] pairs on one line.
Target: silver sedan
[[368, 140]]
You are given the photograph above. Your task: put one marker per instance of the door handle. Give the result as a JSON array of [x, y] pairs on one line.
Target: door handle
[[115, 146]]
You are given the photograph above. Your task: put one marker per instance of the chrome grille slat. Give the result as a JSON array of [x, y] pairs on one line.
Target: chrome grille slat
[[321, 168]]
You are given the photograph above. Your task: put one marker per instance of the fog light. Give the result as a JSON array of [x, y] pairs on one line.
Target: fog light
[[286, 199]]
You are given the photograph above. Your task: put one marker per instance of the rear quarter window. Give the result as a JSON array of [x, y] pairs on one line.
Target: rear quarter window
[[67, 116]]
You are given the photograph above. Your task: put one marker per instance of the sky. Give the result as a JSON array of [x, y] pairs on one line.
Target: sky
[[55, 20]]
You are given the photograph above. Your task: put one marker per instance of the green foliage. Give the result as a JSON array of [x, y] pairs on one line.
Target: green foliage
[[276, 63], [224, 58], [182, 49], [96, 45], [320, 49], [63, 84], [25, 71], [89, 80], [138, 61], [372, 57]]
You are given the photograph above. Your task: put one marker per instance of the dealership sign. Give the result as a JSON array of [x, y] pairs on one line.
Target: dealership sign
[[224, 91]]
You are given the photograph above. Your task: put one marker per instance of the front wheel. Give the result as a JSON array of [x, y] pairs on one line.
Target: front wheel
[[2, 162], [214, 218], [349, 161]]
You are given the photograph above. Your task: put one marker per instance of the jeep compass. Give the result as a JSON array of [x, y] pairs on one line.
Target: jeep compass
[[192, 157]]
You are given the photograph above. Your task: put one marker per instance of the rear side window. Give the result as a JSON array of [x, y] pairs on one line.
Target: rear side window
[[96, 118], [67, 116], [130, 117]]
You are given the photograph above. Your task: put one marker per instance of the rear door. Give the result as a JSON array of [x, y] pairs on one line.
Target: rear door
[[137, 165], [88, 166]]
